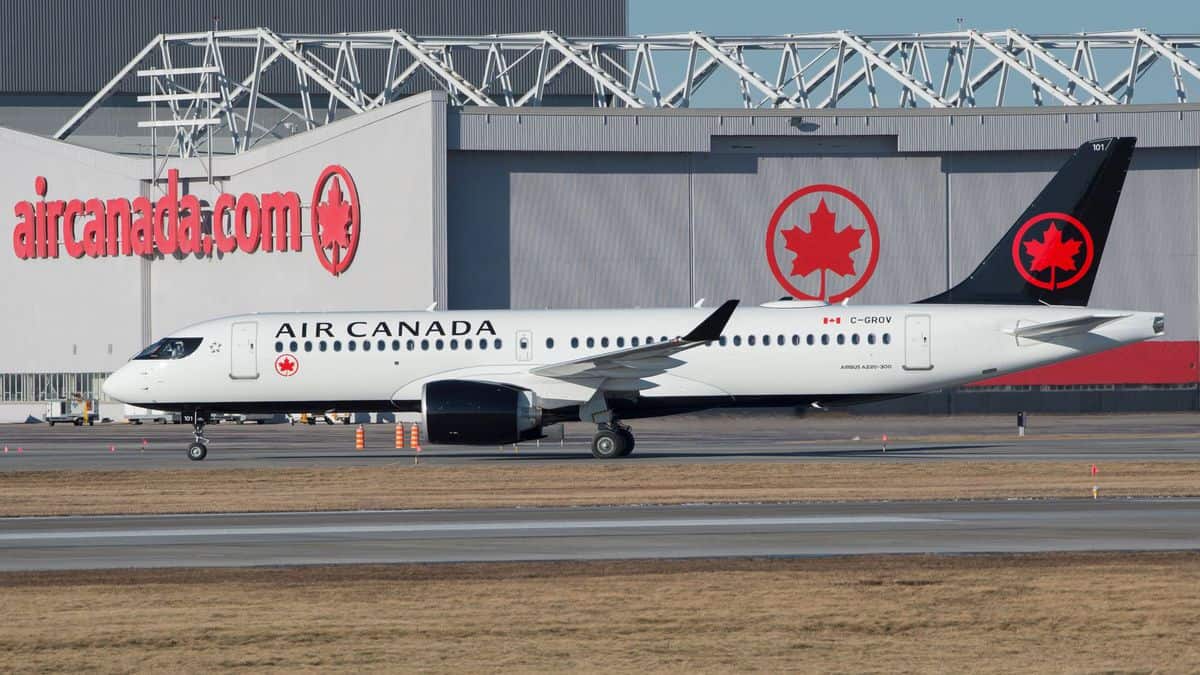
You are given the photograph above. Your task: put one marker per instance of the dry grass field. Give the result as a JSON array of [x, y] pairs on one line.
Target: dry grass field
[[1061, 613], [405, 486]]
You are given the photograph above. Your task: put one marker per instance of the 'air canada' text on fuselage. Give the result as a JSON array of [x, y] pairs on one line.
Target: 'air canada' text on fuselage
[[362, 329]]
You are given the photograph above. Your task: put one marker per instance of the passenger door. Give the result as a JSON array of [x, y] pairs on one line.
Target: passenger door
[[917, 338], [243, 352]]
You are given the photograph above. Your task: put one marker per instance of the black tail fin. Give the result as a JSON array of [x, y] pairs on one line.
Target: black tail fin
[[1051, 254]]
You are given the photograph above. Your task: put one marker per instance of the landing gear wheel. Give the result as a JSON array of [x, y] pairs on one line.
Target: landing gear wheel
[[608, 444], [627, 436], [197, 451]]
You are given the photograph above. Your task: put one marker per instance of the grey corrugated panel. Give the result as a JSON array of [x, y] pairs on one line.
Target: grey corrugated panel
[[626, 130], [57, 46], [597, 231], [736, 196], [441, 290]]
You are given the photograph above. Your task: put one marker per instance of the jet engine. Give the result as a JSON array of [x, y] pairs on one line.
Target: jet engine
[[465, 412]]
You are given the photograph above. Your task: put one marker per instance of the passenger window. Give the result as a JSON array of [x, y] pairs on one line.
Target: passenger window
[[278, 347], [549, 343], [604, 342], [620, 342], [649, 339], [574, 343], [410, 345], [292, 346], [854, 338], [467, 344], [795, 340], [750, 340], [424, 345], [825, 338], [308, 345], [440, 344], [351, 345], [870, 338], [737, 340], [841, 339], [496, 343], [887, 338], [591, 342], [779, 340], [453, 345], [663, 339], [382, 345], [395, 345], [723, 340], [366, 345], [322, 345], [483, 344], [337, 345], [766, 340], [633, 341], [810, 339]]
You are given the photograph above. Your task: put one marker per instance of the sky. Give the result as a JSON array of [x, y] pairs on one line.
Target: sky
[[776, 17], [741, 17]]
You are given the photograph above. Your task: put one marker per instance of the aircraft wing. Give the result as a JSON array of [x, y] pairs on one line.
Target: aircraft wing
[[638, 363], [1063, 327]]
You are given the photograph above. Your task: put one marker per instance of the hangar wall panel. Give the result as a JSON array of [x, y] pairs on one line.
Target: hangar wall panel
[[389, 156], [736, 195], [62, 314], [602, 230]]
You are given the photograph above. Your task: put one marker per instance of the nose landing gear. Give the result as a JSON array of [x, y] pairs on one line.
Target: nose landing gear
[[198, 449], [612, 441]]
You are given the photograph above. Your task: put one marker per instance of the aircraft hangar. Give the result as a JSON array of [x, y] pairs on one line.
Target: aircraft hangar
[[246, 168]]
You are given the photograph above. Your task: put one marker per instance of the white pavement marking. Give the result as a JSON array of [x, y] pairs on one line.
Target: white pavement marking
[[418, 528]]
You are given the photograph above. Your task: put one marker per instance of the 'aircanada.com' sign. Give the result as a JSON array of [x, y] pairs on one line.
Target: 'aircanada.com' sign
[[175, 224]]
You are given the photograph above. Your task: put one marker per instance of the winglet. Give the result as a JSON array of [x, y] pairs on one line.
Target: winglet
[[710, 328]]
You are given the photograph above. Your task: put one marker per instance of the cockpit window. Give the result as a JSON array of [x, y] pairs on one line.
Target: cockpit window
[[169, 349]]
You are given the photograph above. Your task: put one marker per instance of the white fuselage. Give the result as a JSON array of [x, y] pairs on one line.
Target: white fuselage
[[783, 353]]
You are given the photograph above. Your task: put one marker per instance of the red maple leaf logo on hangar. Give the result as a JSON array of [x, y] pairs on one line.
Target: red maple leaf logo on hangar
[[823, 248], [335, 219], [843, 258]]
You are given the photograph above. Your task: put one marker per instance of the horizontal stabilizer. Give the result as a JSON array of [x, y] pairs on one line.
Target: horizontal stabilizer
[[1064, 327]]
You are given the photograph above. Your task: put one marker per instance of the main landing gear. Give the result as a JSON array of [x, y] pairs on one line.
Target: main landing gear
[[612, 441], [198, 449]]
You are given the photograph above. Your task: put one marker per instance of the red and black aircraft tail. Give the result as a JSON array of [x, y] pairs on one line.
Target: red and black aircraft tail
[[1052, 253]]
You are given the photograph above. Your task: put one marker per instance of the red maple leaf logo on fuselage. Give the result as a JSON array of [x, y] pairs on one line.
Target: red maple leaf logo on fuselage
[[823, 247]]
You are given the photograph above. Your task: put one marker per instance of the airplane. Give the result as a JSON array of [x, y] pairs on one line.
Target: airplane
[[494, 377]]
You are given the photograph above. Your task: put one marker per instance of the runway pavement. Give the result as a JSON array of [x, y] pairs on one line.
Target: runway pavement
[[597, 533], [701, 438]]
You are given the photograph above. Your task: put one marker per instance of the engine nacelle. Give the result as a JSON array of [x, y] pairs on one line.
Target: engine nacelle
[[465, 412]]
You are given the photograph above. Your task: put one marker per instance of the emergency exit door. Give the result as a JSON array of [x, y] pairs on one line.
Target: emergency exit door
[[243, 351], [917, 339]]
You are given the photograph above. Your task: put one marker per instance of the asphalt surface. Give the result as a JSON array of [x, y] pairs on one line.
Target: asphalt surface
[[597, 533], [703, 438]]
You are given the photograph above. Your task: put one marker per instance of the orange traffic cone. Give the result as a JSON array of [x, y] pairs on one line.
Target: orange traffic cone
[[360, 439], [399, 436], [414, 437]]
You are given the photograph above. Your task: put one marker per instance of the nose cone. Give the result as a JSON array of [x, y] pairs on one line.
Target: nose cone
[[120, 386]]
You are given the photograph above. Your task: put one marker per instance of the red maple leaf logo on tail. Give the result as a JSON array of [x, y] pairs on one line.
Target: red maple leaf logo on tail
[[1052, 252], [823, 247]]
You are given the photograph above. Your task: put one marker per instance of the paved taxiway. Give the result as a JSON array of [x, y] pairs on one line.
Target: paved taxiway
[[597, 533], [702, 438]]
